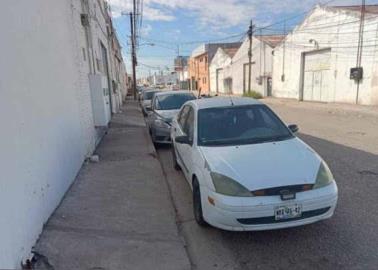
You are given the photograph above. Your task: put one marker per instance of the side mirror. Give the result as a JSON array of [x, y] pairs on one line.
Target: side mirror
[[183, 139], [293, 128], [148, 108]]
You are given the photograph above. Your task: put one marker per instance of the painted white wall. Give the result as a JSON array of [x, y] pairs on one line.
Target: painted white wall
[[220, 60], [262, 58], [45, 113], [342, 38]]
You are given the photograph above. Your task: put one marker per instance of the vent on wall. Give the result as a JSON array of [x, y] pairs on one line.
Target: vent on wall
[[84, 19]]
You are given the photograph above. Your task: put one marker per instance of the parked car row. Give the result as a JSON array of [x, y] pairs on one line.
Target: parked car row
[[246, 168]]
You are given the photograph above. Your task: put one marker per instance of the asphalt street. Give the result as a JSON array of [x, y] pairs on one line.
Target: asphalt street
[[349, 240]]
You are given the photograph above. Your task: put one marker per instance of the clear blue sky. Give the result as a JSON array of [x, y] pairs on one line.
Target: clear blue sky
[[185, 23]]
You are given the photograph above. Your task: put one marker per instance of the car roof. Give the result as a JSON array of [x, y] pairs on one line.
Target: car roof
[[164, 93], [216, 102]]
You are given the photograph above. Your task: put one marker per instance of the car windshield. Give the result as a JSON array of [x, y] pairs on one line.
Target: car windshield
[[172, 102], [149, 95], [240, 125]]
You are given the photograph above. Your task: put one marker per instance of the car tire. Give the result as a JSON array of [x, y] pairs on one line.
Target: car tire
[[174, 158], [197, 204]]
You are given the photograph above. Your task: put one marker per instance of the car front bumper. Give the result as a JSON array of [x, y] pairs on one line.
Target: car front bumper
[[161, 134], [257, 213]]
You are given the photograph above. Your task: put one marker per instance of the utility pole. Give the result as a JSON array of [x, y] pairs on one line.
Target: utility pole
[[360, 46], [250, 32], [283, 53], [133, 56]]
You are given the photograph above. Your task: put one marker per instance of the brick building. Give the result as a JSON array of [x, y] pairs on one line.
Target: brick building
[[199, 63]]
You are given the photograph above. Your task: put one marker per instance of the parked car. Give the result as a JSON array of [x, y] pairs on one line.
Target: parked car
[[165, 105], [247, 169], [146, 98]]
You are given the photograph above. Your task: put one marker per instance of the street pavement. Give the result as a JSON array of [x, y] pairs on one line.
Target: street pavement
[[347, 138], [118, 213]]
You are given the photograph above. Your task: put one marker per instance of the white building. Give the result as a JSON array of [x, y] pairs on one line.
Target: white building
[[314, 62], [165, 79], [54, 107], [236, 74], [221, 59]]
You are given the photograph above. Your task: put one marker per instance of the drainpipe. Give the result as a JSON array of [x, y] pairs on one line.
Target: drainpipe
[[88, 37]]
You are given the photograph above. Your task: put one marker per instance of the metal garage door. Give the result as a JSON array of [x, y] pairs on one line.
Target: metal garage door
[[220, 77], [317, 76]]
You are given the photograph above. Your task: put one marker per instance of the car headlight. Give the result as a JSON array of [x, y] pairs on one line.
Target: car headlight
[[161, 123], [227, 186], [324, 176]]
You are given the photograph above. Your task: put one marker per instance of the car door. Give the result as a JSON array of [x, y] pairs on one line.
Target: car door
[[187, 149], [151, 115], [179, 130]]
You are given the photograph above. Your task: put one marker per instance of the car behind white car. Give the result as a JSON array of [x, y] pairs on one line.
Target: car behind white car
[[247, 169]]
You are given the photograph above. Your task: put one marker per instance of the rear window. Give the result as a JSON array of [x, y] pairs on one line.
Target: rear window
[[172, 102], [149, 95]]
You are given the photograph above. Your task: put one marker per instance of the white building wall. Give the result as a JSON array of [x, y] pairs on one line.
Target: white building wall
[[337, 30], [220, 60], [262, 59], [45, 111]]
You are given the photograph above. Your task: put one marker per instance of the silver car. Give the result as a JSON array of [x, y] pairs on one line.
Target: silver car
[[165, 105], [146, 98]]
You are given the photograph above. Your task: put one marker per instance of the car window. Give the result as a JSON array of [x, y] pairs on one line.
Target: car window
[[149, 95], [240, 125], [182, 116], [189, 124], [173, 101]]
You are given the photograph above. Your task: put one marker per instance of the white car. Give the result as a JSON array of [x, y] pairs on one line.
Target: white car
[[247, 169]]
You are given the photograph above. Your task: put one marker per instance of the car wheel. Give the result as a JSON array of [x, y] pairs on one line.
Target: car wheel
[[174, 158], [197, 205]]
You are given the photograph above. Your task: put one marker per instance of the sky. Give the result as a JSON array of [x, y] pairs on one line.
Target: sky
[[169, 26]]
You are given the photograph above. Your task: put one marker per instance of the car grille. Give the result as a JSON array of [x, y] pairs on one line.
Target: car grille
[[272, 220], [277, 190]]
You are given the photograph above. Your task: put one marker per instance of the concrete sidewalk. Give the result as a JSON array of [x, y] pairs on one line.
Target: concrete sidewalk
[[118, 214]]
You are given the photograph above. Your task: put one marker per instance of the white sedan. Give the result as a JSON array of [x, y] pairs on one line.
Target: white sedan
[[247, 169]]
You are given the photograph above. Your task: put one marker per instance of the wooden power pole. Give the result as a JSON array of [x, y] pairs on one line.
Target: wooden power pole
[[360, 46], [133, 56], [250, 32]]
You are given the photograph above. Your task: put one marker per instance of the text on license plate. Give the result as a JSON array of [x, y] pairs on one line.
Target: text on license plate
[[288, 211]]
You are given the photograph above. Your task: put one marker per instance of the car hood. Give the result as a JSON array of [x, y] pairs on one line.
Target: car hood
[[167, 114], [265, 165]]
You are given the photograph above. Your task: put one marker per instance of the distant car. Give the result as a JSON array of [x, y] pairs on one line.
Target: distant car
[[139, 91], [165, 105], [146, 98], [247, 169]]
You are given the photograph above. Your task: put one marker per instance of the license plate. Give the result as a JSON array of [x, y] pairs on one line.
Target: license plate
[[288, 211]]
